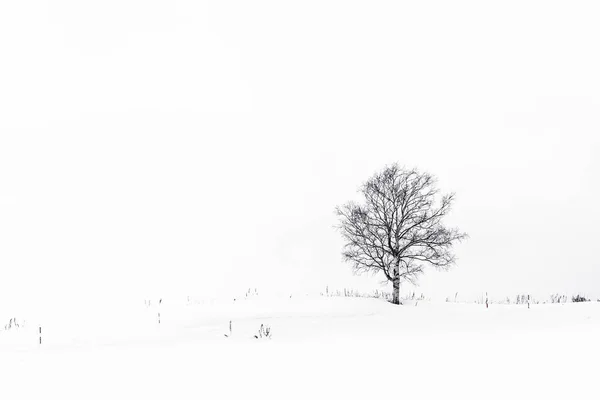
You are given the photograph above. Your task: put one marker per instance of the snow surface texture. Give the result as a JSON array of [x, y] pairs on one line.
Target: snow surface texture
[[321, 347]]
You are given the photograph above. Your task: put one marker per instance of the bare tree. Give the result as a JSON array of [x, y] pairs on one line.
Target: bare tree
[[398, 230]]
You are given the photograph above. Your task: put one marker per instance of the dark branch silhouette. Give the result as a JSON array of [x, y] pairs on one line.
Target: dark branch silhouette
[[398, 230]]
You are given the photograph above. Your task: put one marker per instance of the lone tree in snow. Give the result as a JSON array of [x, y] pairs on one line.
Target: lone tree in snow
[[398, 230]]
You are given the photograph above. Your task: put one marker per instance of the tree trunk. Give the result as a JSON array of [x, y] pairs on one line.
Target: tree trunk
[[396, 292]]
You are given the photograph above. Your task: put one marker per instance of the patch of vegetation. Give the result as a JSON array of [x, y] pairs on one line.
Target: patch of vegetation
[[12, 324], [579, 299], [264, 332]]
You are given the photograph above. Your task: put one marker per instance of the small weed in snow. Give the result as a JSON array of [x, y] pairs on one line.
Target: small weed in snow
[[264, 332], [12, 323], [226, 335], [579, 299]]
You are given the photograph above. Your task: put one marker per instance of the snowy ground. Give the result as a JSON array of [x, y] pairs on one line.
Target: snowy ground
[[322, 347]]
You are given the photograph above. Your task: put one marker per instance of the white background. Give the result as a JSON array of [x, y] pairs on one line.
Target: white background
[[155, 148]]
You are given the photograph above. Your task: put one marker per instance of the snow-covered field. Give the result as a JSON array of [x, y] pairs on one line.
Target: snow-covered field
[[321, 347]]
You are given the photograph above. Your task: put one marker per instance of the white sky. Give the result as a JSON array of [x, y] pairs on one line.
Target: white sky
[[151, 148]]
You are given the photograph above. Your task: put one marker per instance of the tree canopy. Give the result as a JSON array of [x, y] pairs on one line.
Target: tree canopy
[[398, 230]]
